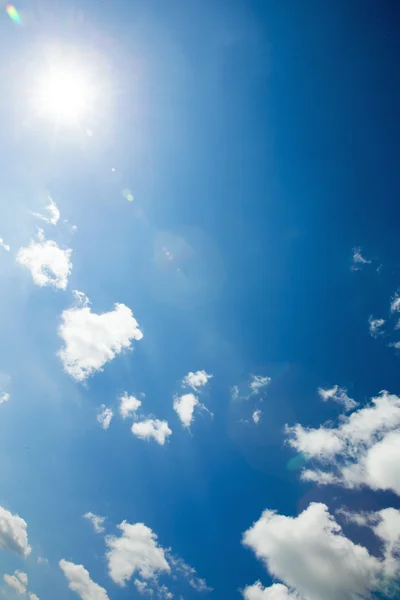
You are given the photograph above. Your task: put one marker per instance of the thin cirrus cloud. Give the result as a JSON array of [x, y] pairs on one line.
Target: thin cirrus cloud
[[313, 559], [152, 429], [105, 416], [47, 262], [53, 214], [128, 405], [96, 520], [79, 581], [363, 450], [254, 386], [18, 581], [91, 339], [13, 534], [338, 395]]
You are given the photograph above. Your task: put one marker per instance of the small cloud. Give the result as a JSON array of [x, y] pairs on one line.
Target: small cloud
[[395, 303], [128, 405], [91, 340], [4, 245], [47, 262], [375, 326], [13, 536], [42, 561], [152, 429], [339, 395], [256, 416], [253, 387], [96, 520], [235, 392], [358, 259], [184, 407], [104, 417], [258, 383], [32, 596], [53, 215], [79, 581], [4, 397], [196, 380], [18, 581]]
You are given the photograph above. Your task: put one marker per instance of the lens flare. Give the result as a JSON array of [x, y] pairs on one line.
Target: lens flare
[[13, 14]]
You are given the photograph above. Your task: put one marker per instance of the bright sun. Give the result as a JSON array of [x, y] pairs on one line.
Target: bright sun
[[64, 93]]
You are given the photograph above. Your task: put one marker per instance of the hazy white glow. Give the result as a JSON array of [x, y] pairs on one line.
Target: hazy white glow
[[64, 93]]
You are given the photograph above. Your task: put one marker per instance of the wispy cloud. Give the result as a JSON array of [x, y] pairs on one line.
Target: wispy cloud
[[105, 416], [4, 245], [358, 260], [375, 326], [53, 214], [96, 520], [339, 395]]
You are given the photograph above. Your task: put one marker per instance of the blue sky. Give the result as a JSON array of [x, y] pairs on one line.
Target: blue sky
[[226, 205]]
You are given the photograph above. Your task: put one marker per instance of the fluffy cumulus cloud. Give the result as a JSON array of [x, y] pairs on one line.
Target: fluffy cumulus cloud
[[364, 449], [152, 429], [339, 395], [4, 245], [135, 552], [184, 407], [196, 380], [13, 535], [277, 591], [375, 326], [32, 596], [312, 557], [47, 262], [256, 416], [128, 405], [79, 581], [91, 340], [96, 520], [18, 581], [53, 214], [104, 416], [358, 259]]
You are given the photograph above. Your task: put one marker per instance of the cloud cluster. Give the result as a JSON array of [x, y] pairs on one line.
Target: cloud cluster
[[196, 380], [13, 535], [313, 559], [79, 581], [185, 404], [364, 449], [91, 340], [47, 262], [18, 581]]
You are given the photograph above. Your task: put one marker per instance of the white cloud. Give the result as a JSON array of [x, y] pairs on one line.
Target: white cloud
[[4, 397], [256, 416], [358, 259], [189, 573], [339, 395], [375, 326], [235, 392], [312, 557], [184, 407], [48, 264], [258, 382], [152, 429], [32, 596], [128, 405], [277, 591], [104, 417], [363, 450], [96, 520], [53, 215], [143, 587], [196, 380], [42, 561], [395, 303], [4, 245], [135, 551], [18, 581], [13, 536], [91, 340], [79, 581]]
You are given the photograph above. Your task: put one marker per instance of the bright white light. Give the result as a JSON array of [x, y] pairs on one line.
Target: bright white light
[[64, 94]]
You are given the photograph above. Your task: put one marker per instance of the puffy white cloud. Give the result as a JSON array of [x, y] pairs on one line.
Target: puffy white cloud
[[128, 405], [395, 303], [196, 380], [277, 591], [184, 407], [91, 340], [4, 245], [256, 416], [258, 383], [96, 520], [135, 551], [79, 581], [363, 450], [104, 416], [47, 262], [358, 259], [375, 326], [18, 581], [53, 215], [152, 429], [13, 535], [312, 557], [32, 596], [4, 397], [339, 395]]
